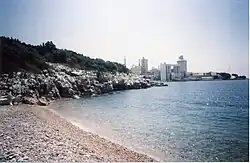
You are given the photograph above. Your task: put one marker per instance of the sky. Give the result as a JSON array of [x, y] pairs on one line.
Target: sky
[[212, 35]]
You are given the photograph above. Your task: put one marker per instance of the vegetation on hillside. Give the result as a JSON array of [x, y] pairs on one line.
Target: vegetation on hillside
[[227, 76], [19, 56]]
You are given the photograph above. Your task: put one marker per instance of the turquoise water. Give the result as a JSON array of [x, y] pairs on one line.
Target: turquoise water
[[186, 121]]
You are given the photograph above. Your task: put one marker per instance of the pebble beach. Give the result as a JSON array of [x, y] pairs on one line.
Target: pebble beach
[[35, 133]]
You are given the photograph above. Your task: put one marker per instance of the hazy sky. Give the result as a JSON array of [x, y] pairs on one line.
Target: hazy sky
[[211, 34]]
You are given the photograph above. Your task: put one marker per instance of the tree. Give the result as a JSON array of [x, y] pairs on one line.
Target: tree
[[242, 77], [50, 45], [225, 76], [235, 75], [17, 54]]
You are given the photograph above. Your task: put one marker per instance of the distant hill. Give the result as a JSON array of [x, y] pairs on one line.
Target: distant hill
[[19, 56]]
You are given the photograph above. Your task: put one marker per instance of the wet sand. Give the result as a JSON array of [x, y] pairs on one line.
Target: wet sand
[[35, 133]]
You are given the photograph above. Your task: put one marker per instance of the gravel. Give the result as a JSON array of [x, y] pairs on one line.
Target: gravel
[[34, 133]]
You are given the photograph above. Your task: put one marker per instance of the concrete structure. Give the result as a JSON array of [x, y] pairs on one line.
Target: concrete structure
[[156, 73], [150, 75], [176, 69], [169, 72], [136, 70], [144, 66], [163, 70], [175, 72], [189, 74], [207, 78], [198, 74], [183, 66], [166, 70]]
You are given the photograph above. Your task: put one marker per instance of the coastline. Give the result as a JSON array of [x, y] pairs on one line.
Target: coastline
[[84, 125], [35, 133]]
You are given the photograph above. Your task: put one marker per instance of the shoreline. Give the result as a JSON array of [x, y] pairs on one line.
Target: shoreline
[[92, 131], [41, 134]]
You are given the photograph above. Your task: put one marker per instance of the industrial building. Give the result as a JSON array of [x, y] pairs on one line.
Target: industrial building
[[174, 71], [144, 66], [183, 66], [136, 70]]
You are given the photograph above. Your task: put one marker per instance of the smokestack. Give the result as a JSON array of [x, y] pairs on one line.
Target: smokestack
[[125, 61]]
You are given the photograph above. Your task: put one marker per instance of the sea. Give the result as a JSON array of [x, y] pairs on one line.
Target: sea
[[185, 121]]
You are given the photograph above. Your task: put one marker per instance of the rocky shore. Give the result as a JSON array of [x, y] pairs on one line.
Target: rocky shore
[[62, 81], [34, 133], [29, 132]]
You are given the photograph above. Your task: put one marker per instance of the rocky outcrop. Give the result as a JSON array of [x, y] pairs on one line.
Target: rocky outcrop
[[62, 81], [43, 101], [30, 100], [4, 101]]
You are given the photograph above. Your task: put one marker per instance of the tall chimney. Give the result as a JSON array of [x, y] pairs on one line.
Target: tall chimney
[[125, 61]]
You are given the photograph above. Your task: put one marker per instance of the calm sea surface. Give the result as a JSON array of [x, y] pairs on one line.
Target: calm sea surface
[[186, 121]]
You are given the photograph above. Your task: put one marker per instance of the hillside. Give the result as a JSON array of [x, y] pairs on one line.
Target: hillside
[[19, 56]]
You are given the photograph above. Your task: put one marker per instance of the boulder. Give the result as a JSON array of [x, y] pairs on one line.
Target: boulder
[[30, 100], [88, 92], [62, 81], [136, 85], [54, 93], [5, 75], [76, 97], [17, 89], [65, 89], [93, 95], [87, 82], [107, 87], [119, 84], [45, 71], [98, 90], [71, 92], [75, 73], [144, 85], [42, 101], [4, 101], [17, 99]]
